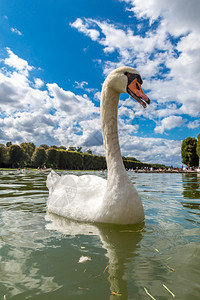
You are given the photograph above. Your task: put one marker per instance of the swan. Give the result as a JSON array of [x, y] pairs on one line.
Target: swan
[[91, 198]]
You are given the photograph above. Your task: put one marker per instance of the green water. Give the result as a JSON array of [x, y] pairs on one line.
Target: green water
[[39, 253]]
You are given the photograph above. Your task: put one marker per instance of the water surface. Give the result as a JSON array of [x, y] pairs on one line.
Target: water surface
[[39, 252]]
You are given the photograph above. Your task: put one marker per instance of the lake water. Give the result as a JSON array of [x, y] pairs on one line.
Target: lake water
[[160, 259]]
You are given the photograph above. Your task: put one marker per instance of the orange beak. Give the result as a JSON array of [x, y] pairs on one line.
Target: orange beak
[[135, 90]]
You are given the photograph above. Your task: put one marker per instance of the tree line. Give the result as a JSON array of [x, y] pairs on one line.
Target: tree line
[[190, 151], [27, 155]]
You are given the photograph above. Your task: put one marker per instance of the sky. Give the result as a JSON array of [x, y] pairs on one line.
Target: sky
[[55, 55]]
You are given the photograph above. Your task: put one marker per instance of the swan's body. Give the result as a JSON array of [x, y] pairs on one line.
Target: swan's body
[[92, 198]]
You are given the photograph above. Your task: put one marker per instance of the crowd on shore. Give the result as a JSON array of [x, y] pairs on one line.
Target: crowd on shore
[[168, 170]]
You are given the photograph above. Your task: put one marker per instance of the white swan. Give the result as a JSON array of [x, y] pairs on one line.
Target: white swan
[[92, 198]]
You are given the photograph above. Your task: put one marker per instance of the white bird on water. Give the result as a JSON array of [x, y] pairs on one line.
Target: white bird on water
[[91, 198]]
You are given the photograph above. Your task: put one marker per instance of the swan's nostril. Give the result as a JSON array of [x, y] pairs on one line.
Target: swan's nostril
[[148, 101]]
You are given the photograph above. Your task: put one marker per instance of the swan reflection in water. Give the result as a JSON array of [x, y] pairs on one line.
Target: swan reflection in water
[[120, 243]]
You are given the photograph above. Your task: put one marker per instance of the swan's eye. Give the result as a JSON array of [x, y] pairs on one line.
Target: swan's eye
[[137, 86]]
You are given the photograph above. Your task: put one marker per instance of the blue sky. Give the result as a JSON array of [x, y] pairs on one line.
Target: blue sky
[[55, 55]]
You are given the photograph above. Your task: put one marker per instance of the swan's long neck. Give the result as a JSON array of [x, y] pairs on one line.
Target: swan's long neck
[[121, 203], [109, 114]]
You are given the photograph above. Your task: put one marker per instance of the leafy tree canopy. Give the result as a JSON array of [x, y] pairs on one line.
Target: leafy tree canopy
[[16, 155], [188, 152], [44, 146], [28, 148], [39, 156], [72, 148], [8, 144], [89, 151]]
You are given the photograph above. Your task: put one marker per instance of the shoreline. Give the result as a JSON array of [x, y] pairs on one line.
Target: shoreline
[[176, 171]]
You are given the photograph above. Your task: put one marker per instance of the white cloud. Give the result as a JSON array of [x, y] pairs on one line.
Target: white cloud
[[168, 110], [169, 123], [38, 83], [179, 16], [70, 104], [15, 30], [131, 47], [84, 28], [17, 63], [71, 112], [17, 94], [28, 126], [194, 124], [151, 150], [23, 106], [126, 112], [80, 85], [27, 117]]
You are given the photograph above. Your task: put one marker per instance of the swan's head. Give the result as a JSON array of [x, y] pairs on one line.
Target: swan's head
[[128, 80]]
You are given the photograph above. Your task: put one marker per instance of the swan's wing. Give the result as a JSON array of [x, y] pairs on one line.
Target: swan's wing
[[90, 187], [76, 197]]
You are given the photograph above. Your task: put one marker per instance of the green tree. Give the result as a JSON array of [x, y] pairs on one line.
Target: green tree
[[77, 161], [28, 148], [89, 151], [38, 157], [132, 158], [198, 145], [16, 155], [79, 149], [8, 144], [72, 149], [88, 161], [188, 152], [74, 160], [52, 158], [62, 147], [44, 146], [63, 161], [2, 154]]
